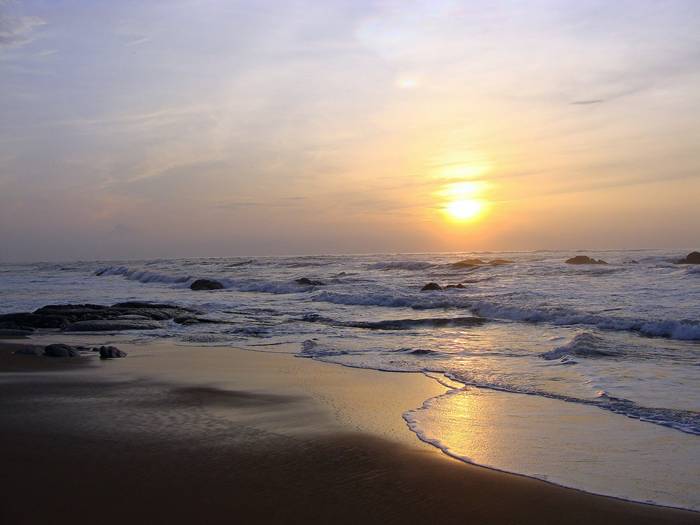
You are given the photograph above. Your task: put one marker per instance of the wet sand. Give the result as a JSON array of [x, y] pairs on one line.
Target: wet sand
[[213, 435]]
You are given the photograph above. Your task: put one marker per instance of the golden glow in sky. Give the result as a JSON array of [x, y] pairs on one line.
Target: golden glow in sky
[[346, 127]]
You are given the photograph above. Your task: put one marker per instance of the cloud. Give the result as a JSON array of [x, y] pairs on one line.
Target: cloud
[[16, 31], [588, 102], [282, 202]]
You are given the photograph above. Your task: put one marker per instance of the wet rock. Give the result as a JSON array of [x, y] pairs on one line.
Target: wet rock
[[206, 284], [110, 352], [460, 285], [584, 259], [112, 325], [27, 320], [691, 258], [61, 350], [61, 316], [430, 287], [309, 282]]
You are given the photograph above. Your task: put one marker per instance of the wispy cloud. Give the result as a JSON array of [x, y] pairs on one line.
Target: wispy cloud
[[138, 41], [16, 30]]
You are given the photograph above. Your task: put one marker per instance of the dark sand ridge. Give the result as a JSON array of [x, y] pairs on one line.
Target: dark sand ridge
[[161, 437]]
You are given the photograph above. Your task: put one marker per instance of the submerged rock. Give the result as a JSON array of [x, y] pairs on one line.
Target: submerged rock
[[309, 282], [691, 258], [431, 287], [460, 285], [206, 284], [584, 259], [61, 350], [110, 352], [112, 325]]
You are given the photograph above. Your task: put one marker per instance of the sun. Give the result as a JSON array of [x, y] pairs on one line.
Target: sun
[[464, 209]]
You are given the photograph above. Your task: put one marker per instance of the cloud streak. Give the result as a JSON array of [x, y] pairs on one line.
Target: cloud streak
[[16, 30]]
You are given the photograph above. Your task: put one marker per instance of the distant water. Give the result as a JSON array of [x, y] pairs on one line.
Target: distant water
[[601, 345]]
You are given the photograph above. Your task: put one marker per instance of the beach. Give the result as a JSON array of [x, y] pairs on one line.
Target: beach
[[186, 434]]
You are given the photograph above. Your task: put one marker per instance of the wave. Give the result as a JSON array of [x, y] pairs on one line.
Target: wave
[[313, 349], [146, 276], [683, 329], [143, 276], [683, 420], [582, 345], [686, 421], [679, 329], [240, 263], [401, 265]]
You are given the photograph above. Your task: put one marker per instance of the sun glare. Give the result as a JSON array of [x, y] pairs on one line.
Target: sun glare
[[464, 210], [463, 201]]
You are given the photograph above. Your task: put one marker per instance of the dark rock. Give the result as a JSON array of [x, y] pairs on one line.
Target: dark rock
[[112, 325], [691, 258], [61, 350], [110, 352], [24, 320], [60, 316], [460, 285], [431, 287], [56, 309], [309, 282], [584, 259], [206, 284]]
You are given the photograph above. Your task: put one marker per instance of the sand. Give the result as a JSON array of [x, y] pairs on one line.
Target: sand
[[219, 435]]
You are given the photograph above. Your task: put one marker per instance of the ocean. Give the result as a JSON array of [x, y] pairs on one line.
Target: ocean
[[583, 375]]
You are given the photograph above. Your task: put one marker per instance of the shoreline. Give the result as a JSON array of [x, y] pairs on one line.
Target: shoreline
[[277, 398]]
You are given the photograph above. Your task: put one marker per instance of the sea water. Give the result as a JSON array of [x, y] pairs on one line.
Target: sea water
[[587, 376]]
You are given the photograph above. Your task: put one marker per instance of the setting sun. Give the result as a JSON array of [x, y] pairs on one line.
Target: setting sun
[[463, 201], [464, 210]]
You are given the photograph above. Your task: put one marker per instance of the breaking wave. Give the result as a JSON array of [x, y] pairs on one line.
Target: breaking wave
[[143, 276], [401, 265]]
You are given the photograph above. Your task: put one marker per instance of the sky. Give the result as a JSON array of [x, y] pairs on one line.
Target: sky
[[178, 128]]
